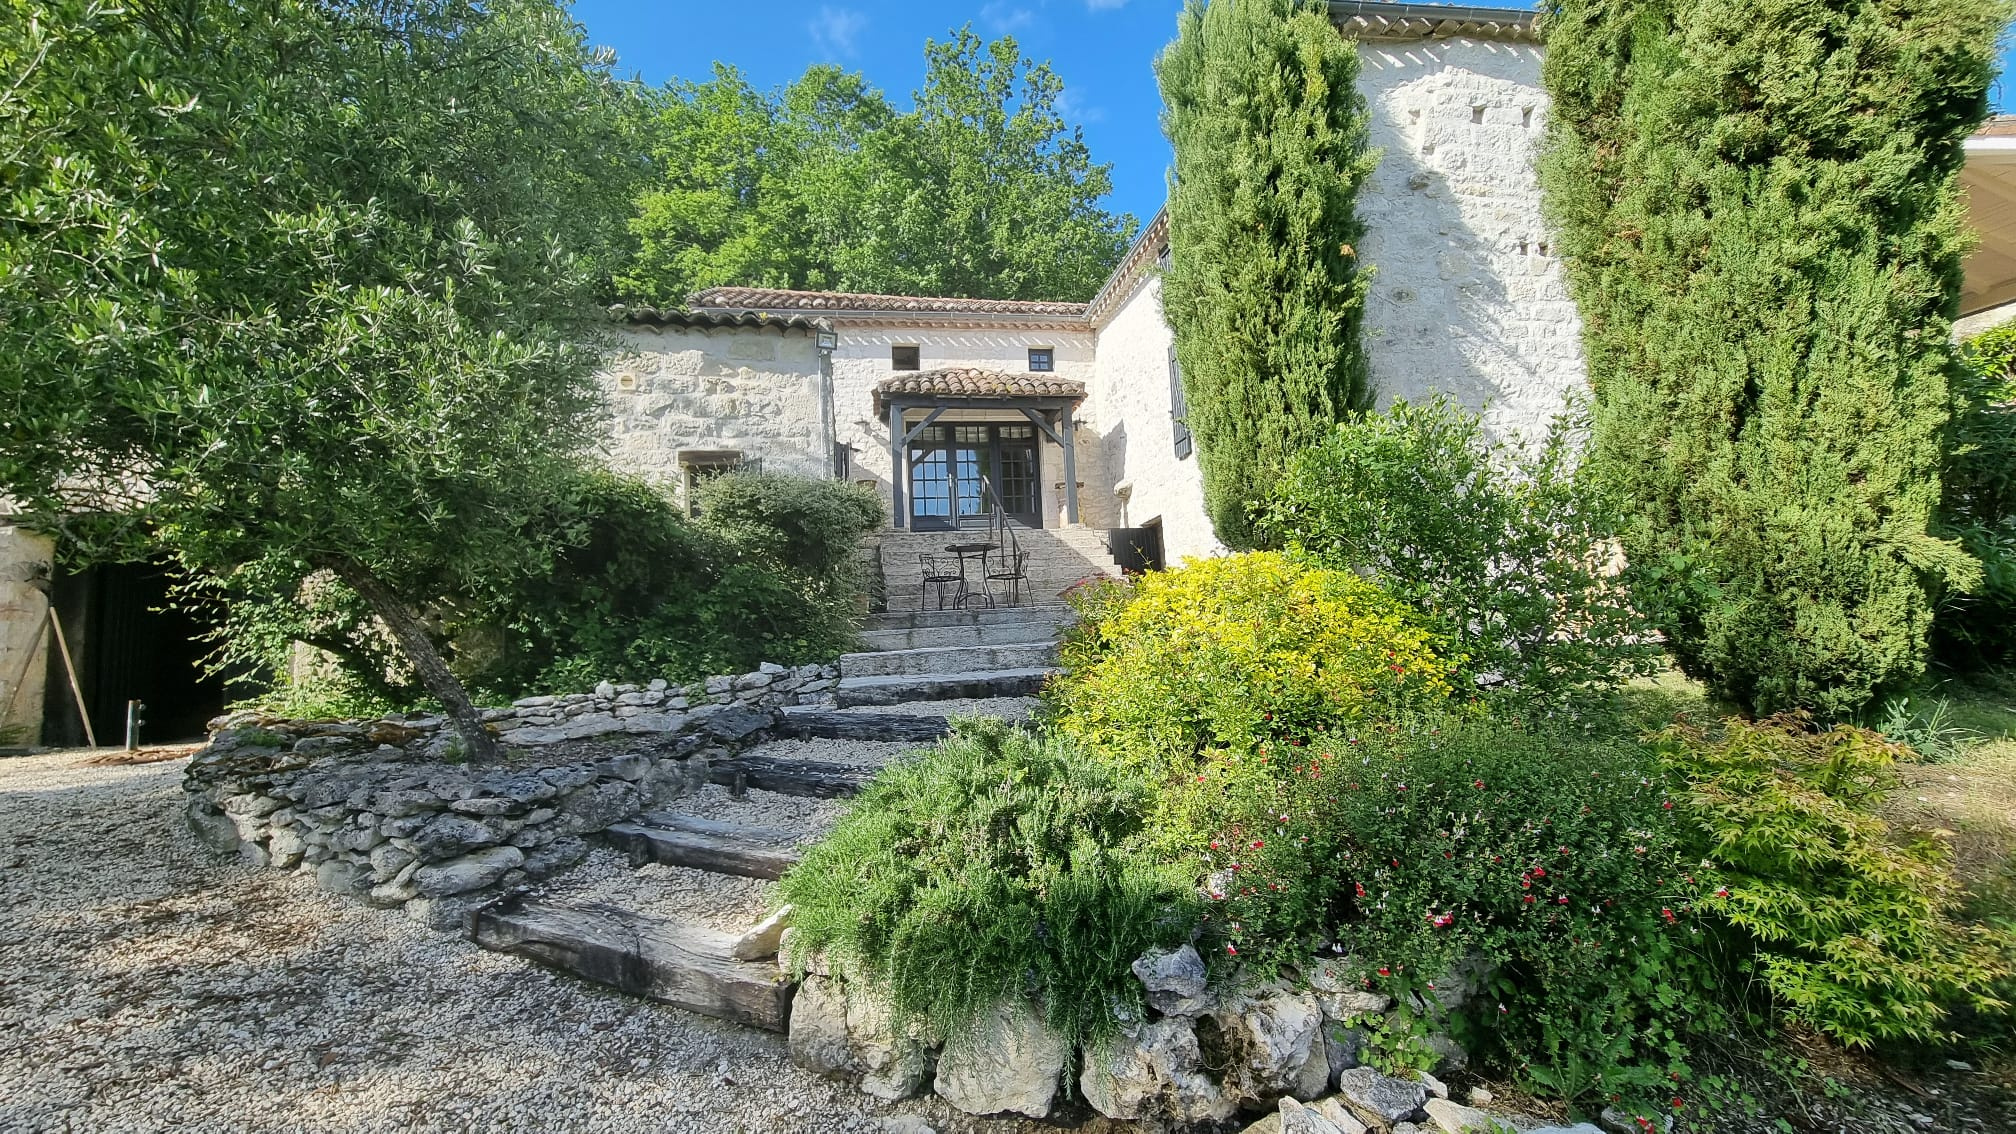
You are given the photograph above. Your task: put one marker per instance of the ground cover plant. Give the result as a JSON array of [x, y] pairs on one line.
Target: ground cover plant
[[1505, 552], [998, 864]]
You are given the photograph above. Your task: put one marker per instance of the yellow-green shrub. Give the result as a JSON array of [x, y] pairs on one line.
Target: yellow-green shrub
[[1236, 653], [1850, 921]]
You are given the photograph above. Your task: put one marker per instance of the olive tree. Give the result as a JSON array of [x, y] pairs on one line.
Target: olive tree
[[295, 287]]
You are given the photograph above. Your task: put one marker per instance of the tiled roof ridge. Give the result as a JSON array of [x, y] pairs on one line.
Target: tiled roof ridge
[[978, 382], [788, 299]]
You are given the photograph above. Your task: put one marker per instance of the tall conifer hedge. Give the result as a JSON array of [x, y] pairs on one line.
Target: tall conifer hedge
[[1759, 206], [1265, 291]]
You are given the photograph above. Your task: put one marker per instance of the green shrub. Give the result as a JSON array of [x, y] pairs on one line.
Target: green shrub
[[996, 864], [1505, 553], [1977, 627], [1759, 212], [1850, 921], [644, 592], [811, 528], [1422, 848], [1234, 653]]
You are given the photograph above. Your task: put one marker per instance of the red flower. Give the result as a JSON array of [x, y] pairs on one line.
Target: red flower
[[1258, 843], [1668, 805], [1667, 914], [1478, 784], [1384, 971], [1232, 949]]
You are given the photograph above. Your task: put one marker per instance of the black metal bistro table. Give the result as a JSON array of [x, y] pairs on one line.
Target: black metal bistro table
[[967, 551]]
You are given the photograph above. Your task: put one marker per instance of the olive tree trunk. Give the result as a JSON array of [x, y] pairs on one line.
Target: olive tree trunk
[[419, 649]]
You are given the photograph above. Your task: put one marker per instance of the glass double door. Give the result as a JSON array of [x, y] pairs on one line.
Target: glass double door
[[954, 467]]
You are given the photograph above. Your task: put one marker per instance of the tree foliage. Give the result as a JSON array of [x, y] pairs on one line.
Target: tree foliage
[[298, 288], [1978, 626], [1757, 200], [1265, 291], [980, 189], [1505, 552]]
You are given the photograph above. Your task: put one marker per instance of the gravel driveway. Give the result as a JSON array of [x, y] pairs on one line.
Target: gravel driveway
[[148, 986]]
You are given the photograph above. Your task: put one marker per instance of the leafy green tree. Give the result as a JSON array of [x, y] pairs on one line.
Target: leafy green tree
[[981, 189], [298, 289], [1757, 200], [1265, 291]]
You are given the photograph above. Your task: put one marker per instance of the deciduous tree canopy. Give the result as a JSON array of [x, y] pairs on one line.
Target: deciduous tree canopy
[[980, 190]]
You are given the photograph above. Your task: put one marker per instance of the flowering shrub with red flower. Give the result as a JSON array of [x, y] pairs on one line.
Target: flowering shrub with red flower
[[1417, 848]]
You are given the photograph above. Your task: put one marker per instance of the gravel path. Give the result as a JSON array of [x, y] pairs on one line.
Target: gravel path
[[149, 986]]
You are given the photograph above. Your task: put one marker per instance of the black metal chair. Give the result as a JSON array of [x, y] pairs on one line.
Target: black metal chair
[[939, 571], [1008, 565]]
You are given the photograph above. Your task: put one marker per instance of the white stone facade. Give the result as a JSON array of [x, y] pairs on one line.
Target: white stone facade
[[1468, 298], [25, 557]]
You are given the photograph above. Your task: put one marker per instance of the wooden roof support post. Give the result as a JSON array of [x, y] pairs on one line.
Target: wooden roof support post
[[897, 473]]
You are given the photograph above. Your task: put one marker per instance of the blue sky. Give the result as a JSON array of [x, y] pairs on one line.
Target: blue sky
[[1103, 49]]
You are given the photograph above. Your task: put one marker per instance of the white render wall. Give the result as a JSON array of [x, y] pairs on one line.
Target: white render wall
[[862, 360], [1129, 405], [759, 390], [1468, 298]]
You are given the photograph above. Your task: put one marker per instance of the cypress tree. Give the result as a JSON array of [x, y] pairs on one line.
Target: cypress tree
[[1264, 290], [1758, 201]]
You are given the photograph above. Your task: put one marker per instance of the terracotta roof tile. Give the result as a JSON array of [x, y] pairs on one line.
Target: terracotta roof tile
[[779, 299], [672, 317], [970, 382]]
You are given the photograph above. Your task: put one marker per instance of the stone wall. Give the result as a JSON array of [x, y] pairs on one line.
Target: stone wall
[[379, 810], [25, 557], [758, 390], [1201, 1052], [1469, 297]]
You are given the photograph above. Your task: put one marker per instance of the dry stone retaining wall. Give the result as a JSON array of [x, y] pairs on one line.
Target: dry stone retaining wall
[[379, 810]]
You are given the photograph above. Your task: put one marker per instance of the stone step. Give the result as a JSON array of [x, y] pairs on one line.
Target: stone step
[[809, 723], [944, 686], [701, 844], [976, 634], [928, 660], [816, 779], [907, 619], [685, 966]]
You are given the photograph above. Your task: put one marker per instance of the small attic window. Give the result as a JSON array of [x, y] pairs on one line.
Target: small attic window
[[903, 358], [1042, 360]]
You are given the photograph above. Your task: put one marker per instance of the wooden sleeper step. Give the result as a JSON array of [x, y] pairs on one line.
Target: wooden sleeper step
[[680, 965]]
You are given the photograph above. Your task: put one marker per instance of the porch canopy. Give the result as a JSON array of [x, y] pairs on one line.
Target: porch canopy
[[1045, 399]]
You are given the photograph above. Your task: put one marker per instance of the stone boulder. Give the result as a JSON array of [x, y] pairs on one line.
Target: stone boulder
[[470, 872], [1174, 980], [848, 1032], [1010, 1062], [1381, 1099], [1157, 1073], [1454, 1118], [1270, 1033]]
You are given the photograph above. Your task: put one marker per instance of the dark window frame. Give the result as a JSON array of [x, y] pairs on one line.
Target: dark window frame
[[1049, 360], [1179, 407], [898, 352]]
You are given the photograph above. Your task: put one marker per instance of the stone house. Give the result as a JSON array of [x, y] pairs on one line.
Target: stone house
[[1069, 414]]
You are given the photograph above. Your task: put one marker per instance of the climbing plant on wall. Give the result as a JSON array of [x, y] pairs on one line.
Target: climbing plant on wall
[[1759, 207], [1264, 291]]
